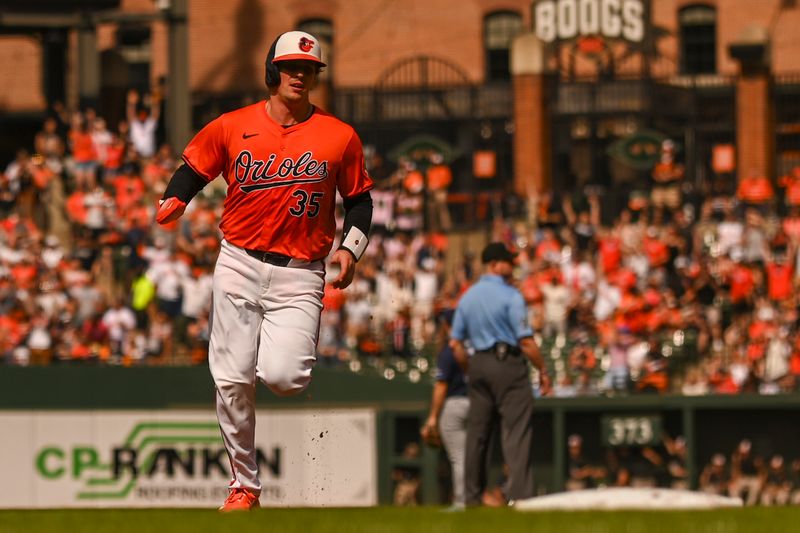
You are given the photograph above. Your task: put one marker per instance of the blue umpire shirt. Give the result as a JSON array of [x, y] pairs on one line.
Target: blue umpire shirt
[[491, 311]]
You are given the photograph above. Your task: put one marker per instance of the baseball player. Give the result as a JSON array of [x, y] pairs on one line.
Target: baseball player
[[447, 418], [283, 160]]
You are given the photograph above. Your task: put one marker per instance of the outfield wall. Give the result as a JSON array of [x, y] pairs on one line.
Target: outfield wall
[[176, 458], [371, 426]]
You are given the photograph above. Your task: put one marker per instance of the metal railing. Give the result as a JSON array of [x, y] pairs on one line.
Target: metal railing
[[457, 102]]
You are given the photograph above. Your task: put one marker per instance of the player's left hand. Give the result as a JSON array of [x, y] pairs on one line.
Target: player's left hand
[[170, 209], [347, 267]]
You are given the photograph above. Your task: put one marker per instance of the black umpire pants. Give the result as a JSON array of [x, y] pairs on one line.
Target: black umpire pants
[[499, 389]]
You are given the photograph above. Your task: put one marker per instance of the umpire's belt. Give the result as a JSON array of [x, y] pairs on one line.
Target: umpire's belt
[[501, 351], [269, 257]]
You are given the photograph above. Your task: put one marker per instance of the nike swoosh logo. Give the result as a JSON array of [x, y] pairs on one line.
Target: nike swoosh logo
[[248, 135]]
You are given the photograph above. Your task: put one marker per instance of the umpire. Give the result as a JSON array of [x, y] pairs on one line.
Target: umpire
[[493, 318]]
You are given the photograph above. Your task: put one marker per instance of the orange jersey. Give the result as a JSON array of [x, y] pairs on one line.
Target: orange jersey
[[792, 184], [282, 182], [82, 146], [439, 177], [779, 281], [756, 189], [742, 283]]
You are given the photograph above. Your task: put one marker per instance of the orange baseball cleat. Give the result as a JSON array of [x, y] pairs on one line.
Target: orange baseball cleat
[[240, 500]]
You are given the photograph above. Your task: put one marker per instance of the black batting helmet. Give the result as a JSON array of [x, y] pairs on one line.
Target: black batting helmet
[[292, 45]]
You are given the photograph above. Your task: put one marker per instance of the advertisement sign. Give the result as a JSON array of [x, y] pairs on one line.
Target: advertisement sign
[[561, 20], [177, 459], [484, 163], [723, 158], [640, 150]]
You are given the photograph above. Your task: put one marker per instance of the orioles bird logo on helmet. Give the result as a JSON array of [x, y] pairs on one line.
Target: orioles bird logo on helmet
[[306, 44]]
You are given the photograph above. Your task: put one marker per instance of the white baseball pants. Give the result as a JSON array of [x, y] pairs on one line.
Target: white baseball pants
[[264, 324], [453, 429]]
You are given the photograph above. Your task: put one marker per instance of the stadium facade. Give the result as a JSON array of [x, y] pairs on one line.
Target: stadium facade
[[527, 95]]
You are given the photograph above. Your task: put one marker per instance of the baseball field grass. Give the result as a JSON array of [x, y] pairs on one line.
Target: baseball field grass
[[397, 520]]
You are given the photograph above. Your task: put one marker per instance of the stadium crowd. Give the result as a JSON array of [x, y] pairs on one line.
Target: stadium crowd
[[683, 289], [743, 473]]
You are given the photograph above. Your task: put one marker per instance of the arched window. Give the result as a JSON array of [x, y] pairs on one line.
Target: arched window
[[322, 29], [499, 29], [698, 29]]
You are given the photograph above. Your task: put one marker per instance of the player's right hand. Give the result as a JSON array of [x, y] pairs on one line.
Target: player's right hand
[[170, 209], [347, 268], [545, 384]]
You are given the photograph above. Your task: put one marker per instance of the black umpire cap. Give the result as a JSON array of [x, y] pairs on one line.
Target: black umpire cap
[[497, 251]]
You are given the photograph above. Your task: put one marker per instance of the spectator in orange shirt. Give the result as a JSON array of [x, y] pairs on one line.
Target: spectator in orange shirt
[[115, 155], [128, 190], [760, 330], [39, 173], [779, 280], [11, 334], [76, 209], [633, 312], [610, 249], [755, 190], [530, 287], [742, 285], [413, 179], [794, 365], [549, 248], [624, 278], [791, 182], [83, 154], [439, 178], [160, 168], [137, 222], [79, 349], [25, 273], [655, 248], [723, 382], [780, 274]]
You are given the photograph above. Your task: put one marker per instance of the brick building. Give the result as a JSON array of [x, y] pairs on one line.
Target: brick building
[[547, 88]]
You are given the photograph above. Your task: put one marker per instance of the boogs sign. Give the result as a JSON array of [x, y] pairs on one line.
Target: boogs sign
[[563, 20], [176, 458]]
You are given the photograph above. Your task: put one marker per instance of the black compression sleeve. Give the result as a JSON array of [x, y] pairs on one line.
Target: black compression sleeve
[[185, 184], [358, 213]]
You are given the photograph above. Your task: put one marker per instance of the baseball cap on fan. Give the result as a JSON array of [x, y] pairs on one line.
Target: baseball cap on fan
[[298, 45]]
